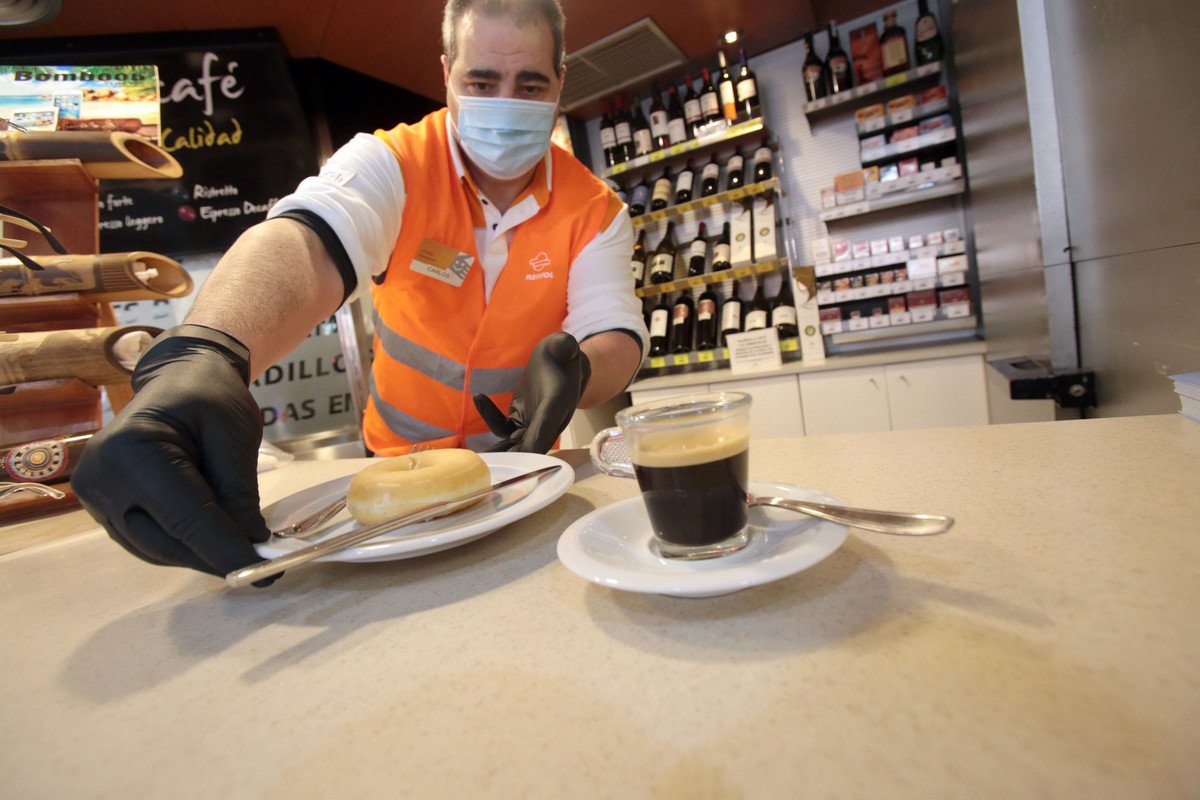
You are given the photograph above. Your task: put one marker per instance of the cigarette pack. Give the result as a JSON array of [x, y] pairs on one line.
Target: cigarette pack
[[907, 132], [873, 111], [888, 172], [896, 244], [908, 166], [922, 267], [862, 249], [841, 249], [940, 122], [898, 103], [952, 264], [848, 181], [871, 174], [872, 142], [916, 241], [934, 93], [879, 247], [952, 234]]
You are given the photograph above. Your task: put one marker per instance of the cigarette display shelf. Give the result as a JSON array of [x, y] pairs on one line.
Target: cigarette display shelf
[[692, 207], [922, 193], [719, 134], [939, 329], [839, 102], [908, 147], [876, 291], [696, 360], [903, 116], [698, 281], [829, 268]]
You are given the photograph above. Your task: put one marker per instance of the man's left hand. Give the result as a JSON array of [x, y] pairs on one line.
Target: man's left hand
[[544, 400]]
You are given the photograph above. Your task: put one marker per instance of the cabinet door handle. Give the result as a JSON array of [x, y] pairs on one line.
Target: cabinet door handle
[[874, 383], [904, 380]]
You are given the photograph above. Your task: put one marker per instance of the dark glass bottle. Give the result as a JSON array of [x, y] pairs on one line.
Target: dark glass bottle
[[706, 319], [660, 136], [639, 198], [660, 197], [813, 71], [710, 104], [710, 177], [662, 267], [758, 313], [692, 115], [677, 128], [623, 128], [637, 262], [643, 142], [608, 135], [893, 45], [762, 162], [683, 320], [697, 252], [721, 251], [683, 184], [735, 172], [747, 89], [837, 64], [927, 39], [660, 326], [731, 315], [726, 90], [783, 312]]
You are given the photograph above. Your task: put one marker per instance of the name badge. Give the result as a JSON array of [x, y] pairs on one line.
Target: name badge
[[442, 263]]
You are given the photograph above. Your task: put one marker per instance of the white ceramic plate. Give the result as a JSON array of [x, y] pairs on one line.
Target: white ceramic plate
[[512, 504], [611, 547]]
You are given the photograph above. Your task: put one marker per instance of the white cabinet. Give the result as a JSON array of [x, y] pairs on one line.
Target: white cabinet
[[846, 401], [775, 410], [943, 393]]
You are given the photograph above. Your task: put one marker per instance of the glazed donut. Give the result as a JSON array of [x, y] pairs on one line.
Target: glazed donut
[[398, 485]]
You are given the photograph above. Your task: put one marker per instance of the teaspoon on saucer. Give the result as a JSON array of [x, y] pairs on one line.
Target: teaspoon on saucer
[[895, 522]]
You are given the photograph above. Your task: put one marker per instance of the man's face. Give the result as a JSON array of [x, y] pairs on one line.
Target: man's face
[[499, 58]]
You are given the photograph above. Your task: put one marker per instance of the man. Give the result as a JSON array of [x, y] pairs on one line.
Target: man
[[497, 264]]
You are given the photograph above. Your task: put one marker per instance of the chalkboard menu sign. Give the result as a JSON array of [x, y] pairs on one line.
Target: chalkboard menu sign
[[230, 115]]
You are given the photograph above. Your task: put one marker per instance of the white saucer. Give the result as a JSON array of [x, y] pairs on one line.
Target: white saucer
[[512, 504], [611, 547]]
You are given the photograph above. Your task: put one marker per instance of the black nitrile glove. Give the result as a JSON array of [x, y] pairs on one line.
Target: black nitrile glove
[[545, 397], [173, 479]]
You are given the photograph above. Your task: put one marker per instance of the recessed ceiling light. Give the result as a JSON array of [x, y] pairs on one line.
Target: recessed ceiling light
[[730, 36], [27, 13]]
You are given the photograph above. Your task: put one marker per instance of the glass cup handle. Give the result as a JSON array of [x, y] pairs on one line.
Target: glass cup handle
[[609, 454]]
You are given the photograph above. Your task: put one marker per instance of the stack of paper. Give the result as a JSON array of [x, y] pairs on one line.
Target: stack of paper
[[1187, 386]]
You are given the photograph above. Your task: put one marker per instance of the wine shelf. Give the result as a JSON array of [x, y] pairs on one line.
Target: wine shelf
[[692, 206], [697, 281], [944, 281], [866, 90], [904, 116], [707, 359], [702, 142], [946, 189], [916, 144]]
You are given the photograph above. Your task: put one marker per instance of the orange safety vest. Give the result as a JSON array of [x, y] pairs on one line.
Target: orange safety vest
[[436, 344]]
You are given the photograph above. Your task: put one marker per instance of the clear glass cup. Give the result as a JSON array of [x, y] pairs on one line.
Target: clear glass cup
[[691, 458]]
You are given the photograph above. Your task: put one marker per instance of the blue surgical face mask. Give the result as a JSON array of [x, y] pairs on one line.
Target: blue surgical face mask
[[504, 137]]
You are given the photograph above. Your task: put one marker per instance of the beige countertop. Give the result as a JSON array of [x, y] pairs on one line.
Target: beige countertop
[[1047, 647]]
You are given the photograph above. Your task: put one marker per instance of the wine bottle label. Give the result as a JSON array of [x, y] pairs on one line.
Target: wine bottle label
[[721, 253], [658, 322], [663, 263], [684, 182], [705, 310], [761, 155], [839, 65], [638, 268], [747, 89], [710, 104], [677, 130], [812, 75], [731, 315], [711, 172], [691, 110], [735, 164], [895, 53], [608, 138], [641, 142], [783, 314], [662, 190], [623, 133], [926, 28], [727, 98], [697, 249], [756, 319], [658, 124], [681, 313], [640, 194]]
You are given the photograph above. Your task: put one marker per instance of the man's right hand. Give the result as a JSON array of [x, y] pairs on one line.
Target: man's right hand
[[173, 478]]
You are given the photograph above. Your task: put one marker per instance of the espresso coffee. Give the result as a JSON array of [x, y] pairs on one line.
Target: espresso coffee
[[694, 482]]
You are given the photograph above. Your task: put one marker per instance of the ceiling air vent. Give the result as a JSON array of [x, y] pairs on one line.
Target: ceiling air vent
[[631, 55]]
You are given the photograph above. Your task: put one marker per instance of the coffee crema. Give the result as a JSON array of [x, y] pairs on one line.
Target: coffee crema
[[682, 447]]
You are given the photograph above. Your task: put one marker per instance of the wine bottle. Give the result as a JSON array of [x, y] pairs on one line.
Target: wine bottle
[[683, 184], [660, 324], [608, 135], [747, 89], [893, 46], [662, 267], [758, 313], [731, 315], [691, 107], [726, 91], [661, 196], [813, 71], [710, 104], [721, 251], [643, 142], [783, 312], [837, 64], [677, 128], [638, 262], [762, 162], [623, 127], [927, 38], [683, 319], [735, 172], [698, 252], [639, 198], [710, 177], [706, 319], [660, 136]]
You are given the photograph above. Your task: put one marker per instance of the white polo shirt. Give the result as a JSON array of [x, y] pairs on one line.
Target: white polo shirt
[[360, 194]]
